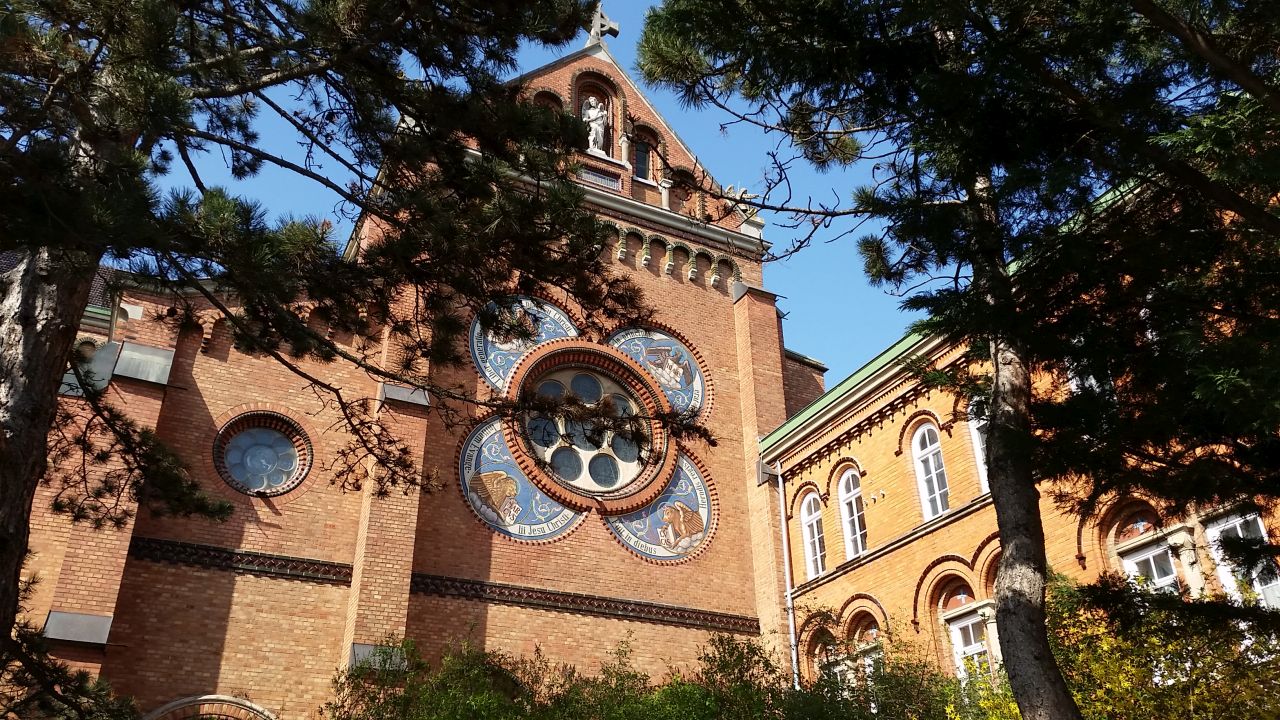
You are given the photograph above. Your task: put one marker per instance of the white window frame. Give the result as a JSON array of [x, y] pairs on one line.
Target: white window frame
[[853, 518], [1130, 558], [977, 428], [815, 544], [941, 492], [968, 617], [1228, 574]]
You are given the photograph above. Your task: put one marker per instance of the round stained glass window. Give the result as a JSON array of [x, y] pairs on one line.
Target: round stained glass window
[[567, 464], [586, 387], [588, 456], [262, 454]]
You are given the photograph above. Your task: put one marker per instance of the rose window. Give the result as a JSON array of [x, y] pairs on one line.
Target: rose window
[[590, 457], [262, 454]]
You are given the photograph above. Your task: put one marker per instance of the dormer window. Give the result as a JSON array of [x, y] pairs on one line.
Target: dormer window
[[548, 100], [644, 150]]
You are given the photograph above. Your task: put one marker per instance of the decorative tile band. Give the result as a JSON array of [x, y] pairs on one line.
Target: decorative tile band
[[582, 603], [209, 556]]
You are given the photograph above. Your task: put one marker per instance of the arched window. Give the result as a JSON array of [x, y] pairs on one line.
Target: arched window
[[1153, 562], [868, 655], [968, 629], [979, 422], [548, 100], [644, 155], [852, 514], [926, 448], [829, 662], [815, 546]]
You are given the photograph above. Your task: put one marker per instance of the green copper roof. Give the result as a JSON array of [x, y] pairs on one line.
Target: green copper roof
[[877, 363]]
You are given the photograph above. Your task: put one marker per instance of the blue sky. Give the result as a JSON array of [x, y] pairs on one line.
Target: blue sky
[[833, 314]]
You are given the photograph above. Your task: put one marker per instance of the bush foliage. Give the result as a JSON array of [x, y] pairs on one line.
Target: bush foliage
[[1147, 661]]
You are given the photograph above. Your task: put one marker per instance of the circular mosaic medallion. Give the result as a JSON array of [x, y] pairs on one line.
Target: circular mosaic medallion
[[669, 362], [262, 453], [675, 525], [500, 494], [495, 357]]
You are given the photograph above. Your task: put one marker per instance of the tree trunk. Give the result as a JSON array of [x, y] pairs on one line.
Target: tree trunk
[[41, 301], [1034, 677]]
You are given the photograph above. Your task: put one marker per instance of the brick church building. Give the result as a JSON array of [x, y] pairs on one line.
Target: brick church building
[[868, 500], [251, 617]]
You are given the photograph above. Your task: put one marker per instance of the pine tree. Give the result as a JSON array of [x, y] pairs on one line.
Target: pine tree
[[461, 188], [1079, 189]]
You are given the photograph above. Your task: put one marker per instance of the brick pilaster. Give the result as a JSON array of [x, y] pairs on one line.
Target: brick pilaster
[[378, 605], [84, 600], [763, 409]]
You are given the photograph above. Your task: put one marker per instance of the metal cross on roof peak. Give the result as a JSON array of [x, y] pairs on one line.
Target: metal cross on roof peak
[[601, 25]]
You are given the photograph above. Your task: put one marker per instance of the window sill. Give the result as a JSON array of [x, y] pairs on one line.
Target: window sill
[[642, 181], [601, 156]]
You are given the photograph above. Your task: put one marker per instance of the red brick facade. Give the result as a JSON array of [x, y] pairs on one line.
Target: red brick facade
[[252, 616]]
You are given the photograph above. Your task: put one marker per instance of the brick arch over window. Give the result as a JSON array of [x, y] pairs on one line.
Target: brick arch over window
[[607, 82], [803, 490], [864, 628], [857, 608], [843, 463], [934, 580], [1113, 522], [548, 98], [914, 421], [210, 707], [984, 562], [816, 640]]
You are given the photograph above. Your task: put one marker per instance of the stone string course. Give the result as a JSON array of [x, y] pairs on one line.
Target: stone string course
[[582, 603], [208, 556]]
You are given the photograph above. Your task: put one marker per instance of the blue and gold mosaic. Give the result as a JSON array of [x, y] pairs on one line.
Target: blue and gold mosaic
[[495, 358], [669, 362], [500, 494], [676, 524]]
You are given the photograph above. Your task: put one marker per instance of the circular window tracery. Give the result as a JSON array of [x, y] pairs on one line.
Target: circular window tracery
[[588, 458], [262, 453]]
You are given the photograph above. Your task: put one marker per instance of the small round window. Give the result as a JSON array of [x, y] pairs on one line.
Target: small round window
[[262, 454], [590, 459]]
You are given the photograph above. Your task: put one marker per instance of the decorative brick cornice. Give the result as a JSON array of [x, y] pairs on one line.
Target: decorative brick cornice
[[216, 558], [880, 409], [582, 603]]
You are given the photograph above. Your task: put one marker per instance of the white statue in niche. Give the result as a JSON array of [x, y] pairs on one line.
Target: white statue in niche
[[596, 116]]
